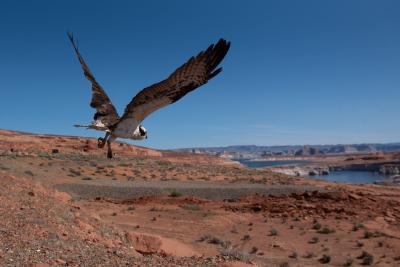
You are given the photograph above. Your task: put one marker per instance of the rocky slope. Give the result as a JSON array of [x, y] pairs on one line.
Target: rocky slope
[[42, 227]]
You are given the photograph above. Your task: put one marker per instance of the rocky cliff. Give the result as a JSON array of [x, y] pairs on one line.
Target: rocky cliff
[[253, 151]]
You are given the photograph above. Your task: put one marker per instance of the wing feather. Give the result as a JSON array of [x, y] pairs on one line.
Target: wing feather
[[194, 73], [105, 110]]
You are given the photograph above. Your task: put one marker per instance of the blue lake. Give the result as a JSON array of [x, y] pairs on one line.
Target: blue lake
[[356, 177], [259, 164]]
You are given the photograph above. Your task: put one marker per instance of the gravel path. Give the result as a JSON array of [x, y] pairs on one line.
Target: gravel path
[[207, 190]]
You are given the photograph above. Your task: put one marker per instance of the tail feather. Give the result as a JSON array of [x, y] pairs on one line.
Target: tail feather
[[82, 126]]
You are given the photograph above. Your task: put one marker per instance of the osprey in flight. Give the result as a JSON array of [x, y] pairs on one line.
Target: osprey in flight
[[191, 75]]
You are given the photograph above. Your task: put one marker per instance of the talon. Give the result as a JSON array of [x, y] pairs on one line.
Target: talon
[[100, 142]]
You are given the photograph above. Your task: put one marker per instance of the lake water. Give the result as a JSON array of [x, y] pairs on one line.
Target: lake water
[[356, 177], [259, 164]]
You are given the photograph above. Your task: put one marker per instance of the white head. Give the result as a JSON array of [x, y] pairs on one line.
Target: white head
[[140, 133]]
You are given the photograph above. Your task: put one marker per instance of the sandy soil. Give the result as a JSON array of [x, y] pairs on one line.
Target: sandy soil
[[74, 207]]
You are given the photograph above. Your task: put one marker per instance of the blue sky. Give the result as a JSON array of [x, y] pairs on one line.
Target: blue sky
[[298, 72]]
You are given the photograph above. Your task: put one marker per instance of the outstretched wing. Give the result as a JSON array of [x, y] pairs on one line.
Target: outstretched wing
[[194, 73], [106, 114]]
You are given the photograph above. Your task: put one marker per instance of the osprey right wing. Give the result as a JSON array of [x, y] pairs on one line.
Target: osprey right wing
[[197, 71]]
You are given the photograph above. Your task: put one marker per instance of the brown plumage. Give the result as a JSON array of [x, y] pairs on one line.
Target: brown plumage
[[195, 72], [105, 110]]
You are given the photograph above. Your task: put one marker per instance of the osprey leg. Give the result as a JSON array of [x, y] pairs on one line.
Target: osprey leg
[[109, 150], [101, 142]]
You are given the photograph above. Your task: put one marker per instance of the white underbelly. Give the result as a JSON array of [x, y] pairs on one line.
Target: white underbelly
[[126, 128]]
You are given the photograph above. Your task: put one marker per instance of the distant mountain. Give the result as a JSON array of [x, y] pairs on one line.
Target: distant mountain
[[253, 151]]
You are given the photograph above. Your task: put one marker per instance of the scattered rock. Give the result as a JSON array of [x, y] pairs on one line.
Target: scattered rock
[[152, 244]]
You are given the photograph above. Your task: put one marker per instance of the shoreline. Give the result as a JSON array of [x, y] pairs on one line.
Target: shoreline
[[317, 166]]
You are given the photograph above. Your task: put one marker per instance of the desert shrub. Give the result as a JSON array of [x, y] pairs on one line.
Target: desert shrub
[[214, 240], [190, 207], [217, 241], [246, 237], [367, 258], [325, 259], [326, 230], [154, 209], [204, 238], [253, 250], [92, 163], [28, 172], [308, 255], [348, 262], [314, 240], [164, 163], [74, 172], [273, 232], [45, 155], [357, 226], [368, 234], [136, 172], [317, 226], [234, 231], [236, 255], [175, 194], [293, 255], [87, 178]]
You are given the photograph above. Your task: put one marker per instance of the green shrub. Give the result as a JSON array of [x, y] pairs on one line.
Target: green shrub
[[175, 194], [325, 259], [190, 207], [326, 230], [28, 172]]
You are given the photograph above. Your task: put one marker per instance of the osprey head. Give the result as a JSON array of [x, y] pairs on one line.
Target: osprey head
[[140, 133]]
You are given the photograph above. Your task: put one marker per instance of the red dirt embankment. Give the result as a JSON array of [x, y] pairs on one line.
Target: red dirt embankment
[[33, 143]]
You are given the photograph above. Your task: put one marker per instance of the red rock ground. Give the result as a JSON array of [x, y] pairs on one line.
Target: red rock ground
[[349, 225]]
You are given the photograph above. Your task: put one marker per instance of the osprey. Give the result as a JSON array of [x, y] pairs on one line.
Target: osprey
[[191, 75]]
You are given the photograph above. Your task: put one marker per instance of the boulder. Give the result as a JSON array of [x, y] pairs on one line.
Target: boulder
[[151, 244]]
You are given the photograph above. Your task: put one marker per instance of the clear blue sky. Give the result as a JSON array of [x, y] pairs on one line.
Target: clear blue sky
[[298, 72]]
